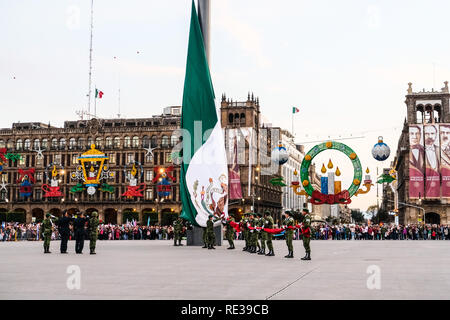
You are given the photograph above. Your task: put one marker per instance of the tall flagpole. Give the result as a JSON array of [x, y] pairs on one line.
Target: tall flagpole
[[204, 16], [90, 60], [95, 102]]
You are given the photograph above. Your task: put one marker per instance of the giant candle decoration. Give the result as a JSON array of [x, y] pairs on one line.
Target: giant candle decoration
[[324, 181], [337, 184]]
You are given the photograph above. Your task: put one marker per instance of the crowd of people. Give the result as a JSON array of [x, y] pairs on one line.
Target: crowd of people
[[20, 231], [381, 232]]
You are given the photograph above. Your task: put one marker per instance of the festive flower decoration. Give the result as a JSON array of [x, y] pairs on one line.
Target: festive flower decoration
[[280, 155], [132, 175], [26, 180], [92, 169], [162, 179], [381, 150], [13, 156], [278, 181], [2, 159], [53, 191]]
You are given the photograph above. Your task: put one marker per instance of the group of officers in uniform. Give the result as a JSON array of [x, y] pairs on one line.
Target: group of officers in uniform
[[81, 226], [256, 239], [252, 225]]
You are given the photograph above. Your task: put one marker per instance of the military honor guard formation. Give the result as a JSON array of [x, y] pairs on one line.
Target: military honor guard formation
[[79, 223], [257, 231]]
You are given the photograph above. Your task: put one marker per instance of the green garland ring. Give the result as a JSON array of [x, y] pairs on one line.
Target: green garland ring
[[357, 170]]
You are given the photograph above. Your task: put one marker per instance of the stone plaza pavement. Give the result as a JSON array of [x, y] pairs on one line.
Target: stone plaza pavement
[[157, 270]]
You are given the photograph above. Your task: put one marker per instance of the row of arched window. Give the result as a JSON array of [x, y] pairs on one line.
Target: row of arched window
[[236, 118], [428, 113], [82, 143]]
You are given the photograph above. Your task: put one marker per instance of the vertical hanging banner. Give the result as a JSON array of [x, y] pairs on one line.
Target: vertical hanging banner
[[204, 170], [235, 177], [432, 160], [444, 130], [416, 162]]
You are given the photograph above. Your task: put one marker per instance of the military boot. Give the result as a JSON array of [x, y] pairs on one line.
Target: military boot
[[307, 256], [262, 252], [254, 249], [93, 251], [232, 246], [244, 249], [290, 254], [205, 246], [270, 254], [179, 242]]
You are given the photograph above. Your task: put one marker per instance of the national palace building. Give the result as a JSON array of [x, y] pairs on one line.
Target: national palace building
[[42, 167]]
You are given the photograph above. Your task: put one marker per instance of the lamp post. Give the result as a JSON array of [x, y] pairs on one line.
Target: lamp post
[[413, 206]]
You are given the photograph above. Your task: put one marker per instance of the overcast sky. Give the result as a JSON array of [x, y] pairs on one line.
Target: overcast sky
[[344, 64]]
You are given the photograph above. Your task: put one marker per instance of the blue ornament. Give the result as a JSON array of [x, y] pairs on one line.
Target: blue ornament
[[381, 150], [280, 155]]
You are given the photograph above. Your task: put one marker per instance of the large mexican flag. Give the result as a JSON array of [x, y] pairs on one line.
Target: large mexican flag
[[204, 170]]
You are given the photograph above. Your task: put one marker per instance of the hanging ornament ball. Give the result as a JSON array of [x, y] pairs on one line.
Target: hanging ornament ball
[[381, 150], [280, 155], [90, 190]]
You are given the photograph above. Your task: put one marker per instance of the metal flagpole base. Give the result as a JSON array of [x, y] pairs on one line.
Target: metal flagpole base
[[194, 237]]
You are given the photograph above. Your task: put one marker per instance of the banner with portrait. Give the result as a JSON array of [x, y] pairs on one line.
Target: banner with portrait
[[444, 133], [432, 161], [416, 162]]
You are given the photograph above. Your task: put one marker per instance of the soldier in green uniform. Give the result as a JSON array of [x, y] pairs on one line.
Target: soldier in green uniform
[[261, 235], [210, 237], [244, 228], [289, 233], [178, 230], [205, 238], [306, 233], [93, 231], [253, 233], [268, 223], [229, 233], [46, 232]]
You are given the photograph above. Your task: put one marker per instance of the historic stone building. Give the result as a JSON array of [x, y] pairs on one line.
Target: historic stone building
[[122, 140], [423, 107]]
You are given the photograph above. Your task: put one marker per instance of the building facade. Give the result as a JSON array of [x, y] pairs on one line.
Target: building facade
[[121, 140], [422, 181]]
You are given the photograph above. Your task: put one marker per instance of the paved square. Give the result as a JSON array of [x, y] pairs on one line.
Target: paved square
[[157, 270]]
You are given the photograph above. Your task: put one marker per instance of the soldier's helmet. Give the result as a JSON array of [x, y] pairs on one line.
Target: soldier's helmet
[[210, 216], [95, 214], [259, 214], [48, 214], [305, 211], [267, 213], [288, 212]]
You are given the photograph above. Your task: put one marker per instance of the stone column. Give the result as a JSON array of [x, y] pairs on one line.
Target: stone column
[[119, 217], [101, 215], [28, 216]]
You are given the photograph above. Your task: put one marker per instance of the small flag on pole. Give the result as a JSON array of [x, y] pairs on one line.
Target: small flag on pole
[[98, 93], [295, 110]]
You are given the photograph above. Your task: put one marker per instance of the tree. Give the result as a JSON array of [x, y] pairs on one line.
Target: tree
[[377, 214], [357, 216]]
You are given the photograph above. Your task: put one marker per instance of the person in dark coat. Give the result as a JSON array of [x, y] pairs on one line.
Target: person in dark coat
[[64, 230], [80, 232]]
